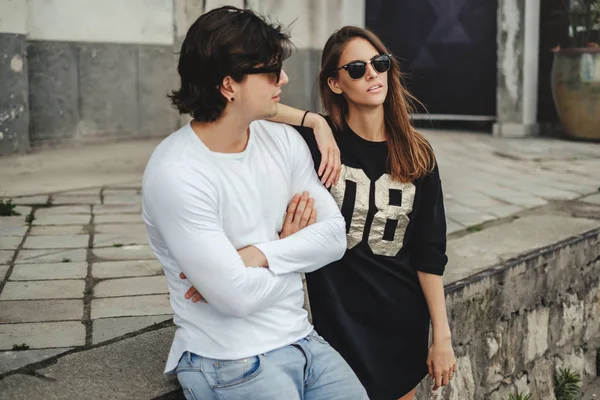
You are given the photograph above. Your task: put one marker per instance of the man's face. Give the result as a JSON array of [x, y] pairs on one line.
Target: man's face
[[260, 94]]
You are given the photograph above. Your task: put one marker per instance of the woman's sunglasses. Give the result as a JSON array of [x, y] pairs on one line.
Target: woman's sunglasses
[[357, 69]]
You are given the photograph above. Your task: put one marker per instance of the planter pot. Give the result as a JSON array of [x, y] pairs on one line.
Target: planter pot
[[576, 91]]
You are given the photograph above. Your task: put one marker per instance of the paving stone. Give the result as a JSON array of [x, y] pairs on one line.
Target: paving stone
[[135, 229], [13, 230], [3, 271], [62, 220], [18, 220], [80, 193], [470, 219], [122, 269], [40, 310], [131, 286], [131, 306], [23, 210], [62, 210], [109, 328], [136, 252], [10, 242], [118, 209], [118, 218], [51, 256], [116, 240], [122, 192], [51, 230], [452, 227], [11, 360], [128, 369], [452, 206], [593, 199], [512, 196], [6, 256], [42, 199], [473, 199], [35, 272], [502, 211], [37, 290], [73, 200], [57, 242], [526, 201], [42, 335], [122, 199], [132, 185], [554, 194]]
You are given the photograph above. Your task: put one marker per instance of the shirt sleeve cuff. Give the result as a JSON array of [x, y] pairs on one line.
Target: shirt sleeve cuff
[[267, 249]]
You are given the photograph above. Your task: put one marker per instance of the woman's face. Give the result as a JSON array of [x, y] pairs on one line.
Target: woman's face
[[367, 90]]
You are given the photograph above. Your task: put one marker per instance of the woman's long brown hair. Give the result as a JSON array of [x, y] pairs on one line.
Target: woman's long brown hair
[[410, 154]]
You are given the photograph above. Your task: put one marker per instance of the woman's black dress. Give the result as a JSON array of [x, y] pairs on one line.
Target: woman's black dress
[[369, 305]]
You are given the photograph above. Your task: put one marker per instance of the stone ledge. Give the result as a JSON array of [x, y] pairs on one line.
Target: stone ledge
[[495, 307]]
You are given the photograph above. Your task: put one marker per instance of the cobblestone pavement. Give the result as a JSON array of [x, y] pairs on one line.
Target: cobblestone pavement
[[76, 269]]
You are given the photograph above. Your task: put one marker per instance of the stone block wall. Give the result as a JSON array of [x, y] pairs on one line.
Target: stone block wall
[[14, 108], [516, 323], [77, 71], [93, 91]]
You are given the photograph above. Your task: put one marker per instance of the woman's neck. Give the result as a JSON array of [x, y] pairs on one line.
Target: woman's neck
[[367, 122]]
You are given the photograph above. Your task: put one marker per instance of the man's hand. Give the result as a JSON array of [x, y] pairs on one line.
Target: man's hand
[[251, 256], [331, 163], [192, 293], [300, 214]]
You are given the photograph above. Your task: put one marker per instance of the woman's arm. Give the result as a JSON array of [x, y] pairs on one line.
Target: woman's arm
[[428, 258], [331, 165], [433, 289], [441, 361], [293, 116]]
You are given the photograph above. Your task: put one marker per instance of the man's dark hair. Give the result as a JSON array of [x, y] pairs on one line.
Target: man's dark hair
[[222, 43]]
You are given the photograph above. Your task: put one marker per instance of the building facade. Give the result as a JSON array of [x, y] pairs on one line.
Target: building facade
[[77, 71]]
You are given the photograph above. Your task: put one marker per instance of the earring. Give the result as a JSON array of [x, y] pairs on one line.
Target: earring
[[232, 99]]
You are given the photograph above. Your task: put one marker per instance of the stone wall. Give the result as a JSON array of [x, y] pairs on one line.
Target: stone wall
[[87, 70], [14, 108], [100, 69], [515, 323]]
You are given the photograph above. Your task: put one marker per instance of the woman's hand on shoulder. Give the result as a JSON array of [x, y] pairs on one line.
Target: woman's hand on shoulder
[[331, 163]]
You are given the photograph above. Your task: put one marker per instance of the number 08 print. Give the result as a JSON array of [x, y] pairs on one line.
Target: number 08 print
[[394, 201]]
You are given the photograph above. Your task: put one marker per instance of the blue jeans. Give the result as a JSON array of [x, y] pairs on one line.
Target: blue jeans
[[309, 369]]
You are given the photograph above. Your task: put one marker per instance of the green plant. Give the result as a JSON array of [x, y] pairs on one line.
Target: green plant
[[584, 20], [7, 208], [474, 228], [520, 396], [20, 347], [29, 218], [567, 384]]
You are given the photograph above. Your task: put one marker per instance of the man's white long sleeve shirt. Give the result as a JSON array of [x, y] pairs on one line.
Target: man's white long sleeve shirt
[[200, 207]]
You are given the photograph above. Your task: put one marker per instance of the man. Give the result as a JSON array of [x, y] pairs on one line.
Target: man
[[214, 197]]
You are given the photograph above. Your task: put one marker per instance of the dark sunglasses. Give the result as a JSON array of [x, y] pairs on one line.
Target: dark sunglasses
[[357, 69], [276, 71]]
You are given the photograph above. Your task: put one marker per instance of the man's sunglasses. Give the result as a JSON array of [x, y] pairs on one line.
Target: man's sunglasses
[[357, 69], [276, 71]]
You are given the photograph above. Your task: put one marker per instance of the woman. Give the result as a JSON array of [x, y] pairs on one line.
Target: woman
[[374, 305]]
